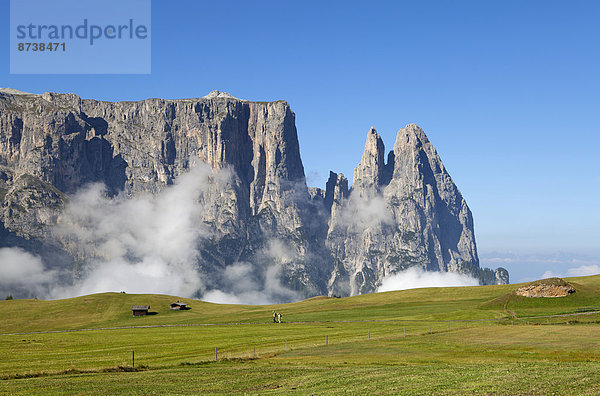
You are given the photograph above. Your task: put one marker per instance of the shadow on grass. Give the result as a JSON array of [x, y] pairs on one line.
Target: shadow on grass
[[128, 369], [117, 369]]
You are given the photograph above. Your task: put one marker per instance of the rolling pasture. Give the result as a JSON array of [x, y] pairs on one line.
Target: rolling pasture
[[439, 340]]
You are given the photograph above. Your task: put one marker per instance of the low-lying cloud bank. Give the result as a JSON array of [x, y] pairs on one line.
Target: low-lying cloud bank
[[150, 244], [414, 278], [147, 244], [24, 273], [250, 283]]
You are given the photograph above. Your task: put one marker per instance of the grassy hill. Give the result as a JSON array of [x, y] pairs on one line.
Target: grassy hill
[[440, 340], [453, 303]]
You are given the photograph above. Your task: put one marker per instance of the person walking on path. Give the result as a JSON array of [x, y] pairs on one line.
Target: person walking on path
[[274, 317], [278, 318]]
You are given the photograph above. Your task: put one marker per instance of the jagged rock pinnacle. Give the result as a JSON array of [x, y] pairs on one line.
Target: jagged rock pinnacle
[[368, 175]]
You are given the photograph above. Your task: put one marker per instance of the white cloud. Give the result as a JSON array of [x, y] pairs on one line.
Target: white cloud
[[20, 270], [220, 297], [584, 270], [414, 278], [255, 283], [551, 274], [149, 244], [146, 244], [362, 212]]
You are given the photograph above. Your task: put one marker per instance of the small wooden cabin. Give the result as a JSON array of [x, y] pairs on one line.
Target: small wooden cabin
[[140, 310], [179, 306]]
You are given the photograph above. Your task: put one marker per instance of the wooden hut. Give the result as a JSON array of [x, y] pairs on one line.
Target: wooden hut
[[179, 306], [140, 310]]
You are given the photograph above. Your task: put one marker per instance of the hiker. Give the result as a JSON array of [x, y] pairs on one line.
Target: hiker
[[278, 318], [274, 317]]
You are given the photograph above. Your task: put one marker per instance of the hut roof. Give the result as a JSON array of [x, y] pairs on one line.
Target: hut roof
[[178, 303], [140, 307]]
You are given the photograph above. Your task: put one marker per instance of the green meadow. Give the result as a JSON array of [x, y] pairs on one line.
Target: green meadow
[[469, 340]]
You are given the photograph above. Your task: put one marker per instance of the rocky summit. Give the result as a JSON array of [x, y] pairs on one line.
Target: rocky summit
[[402, 210]]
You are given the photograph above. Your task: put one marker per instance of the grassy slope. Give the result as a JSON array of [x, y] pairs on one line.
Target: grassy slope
[[113, 309], [455, 357]]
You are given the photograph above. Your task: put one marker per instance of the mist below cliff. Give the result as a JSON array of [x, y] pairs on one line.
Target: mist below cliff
[[415, 278], [149, 244], [145, 244]]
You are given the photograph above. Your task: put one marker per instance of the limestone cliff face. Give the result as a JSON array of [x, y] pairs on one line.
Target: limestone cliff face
[[53, 144]]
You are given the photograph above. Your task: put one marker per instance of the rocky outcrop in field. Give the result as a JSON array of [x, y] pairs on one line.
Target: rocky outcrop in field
[[552, 287]]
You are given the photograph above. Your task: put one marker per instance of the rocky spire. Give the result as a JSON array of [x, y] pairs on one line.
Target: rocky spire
[[415, 158], [420, 177], [417, 217], [336, 190], [369, 173]]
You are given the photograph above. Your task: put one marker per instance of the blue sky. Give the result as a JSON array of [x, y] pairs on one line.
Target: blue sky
[[508, 92]]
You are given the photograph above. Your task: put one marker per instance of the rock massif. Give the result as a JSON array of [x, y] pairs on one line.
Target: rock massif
[[399, 213], [406, 212]]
